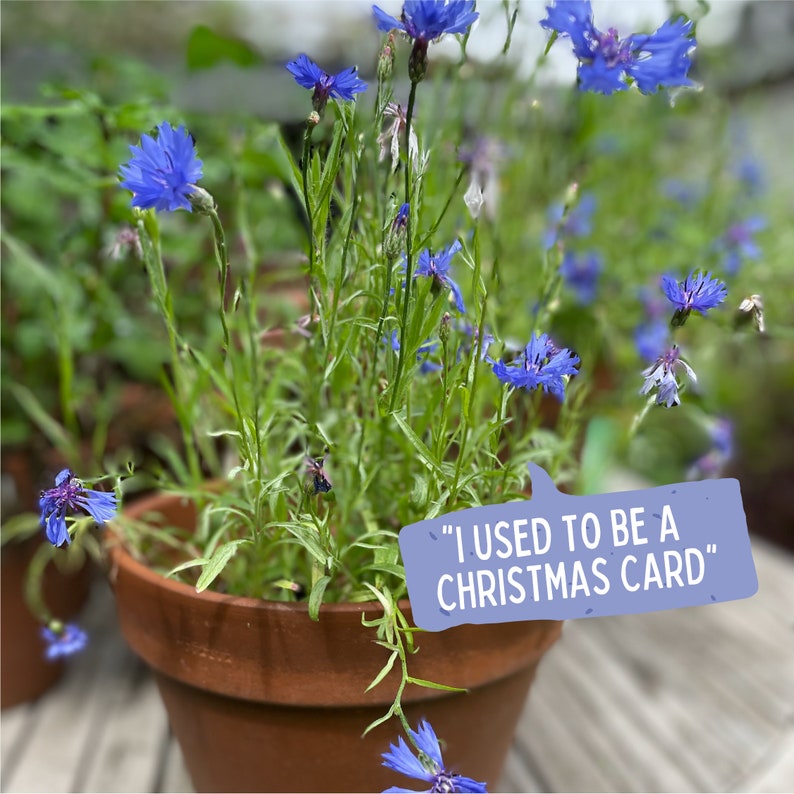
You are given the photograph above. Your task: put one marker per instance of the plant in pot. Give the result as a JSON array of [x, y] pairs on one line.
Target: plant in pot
[[263, 583]]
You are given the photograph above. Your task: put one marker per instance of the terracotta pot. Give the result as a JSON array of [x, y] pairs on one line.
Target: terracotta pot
[[261, 698], [25, 673]]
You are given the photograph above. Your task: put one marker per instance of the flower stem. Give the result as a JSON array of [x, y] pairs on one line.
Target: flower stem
[[408, 249]]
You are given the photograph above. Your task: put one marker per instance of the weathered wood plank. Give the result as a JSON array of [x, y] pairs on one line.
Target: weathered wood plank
[[775, 773], [15, 723], [175, 779], [131, 738]]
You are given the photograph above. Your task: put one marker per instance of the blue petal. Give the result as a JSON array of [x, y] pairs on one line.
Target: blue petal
[[402, 760], [573, 18], [306, 72], [601, 78], [662, 59], [427, 741], [386, 22], [347, 83], [456, 294], [55, 527]]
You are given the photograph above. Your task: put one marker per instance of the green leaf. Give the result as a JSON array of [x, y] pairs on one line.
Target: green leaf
[[424, 453], [316, 596], [217, 563], [385, 670], [433, 685], [206, 49]]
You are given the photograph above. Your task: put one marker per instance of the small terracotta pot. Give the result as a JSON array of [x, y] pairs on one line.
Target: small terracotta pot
[[261, 698], [25, 673]]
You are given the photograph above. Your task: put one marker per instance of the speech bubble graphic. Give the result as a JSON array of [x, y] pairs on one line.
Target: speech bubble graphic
[[558, 556]]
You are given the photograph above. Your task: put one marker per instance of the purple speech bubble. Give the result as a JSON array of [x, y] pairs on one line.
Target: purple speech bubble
[[559, 556]]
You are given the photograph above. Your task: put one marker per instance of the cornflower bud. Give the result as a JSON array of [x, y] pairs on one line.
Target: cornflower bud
[[201, 201], [386, 59], [443, 331], [394, 239]]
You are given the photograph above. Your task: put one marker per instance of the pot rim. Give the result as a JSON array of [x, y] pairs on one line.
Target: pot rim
[[120, 557]]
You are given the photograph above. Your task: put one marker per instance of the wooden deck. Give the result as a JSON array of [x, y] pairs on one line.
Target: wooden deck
[[699, 699]]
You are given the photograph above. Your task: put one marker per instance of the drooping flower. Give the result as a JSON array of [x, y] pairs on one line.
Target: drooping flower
[[422, 354], [580, 272], [540, 365], [737, 244], [661, 375], [389, 139], [428, 766], [70, 494], [163, 171], [697, 292], [608, 63], [63, 639], [425, 21], [436, 266], [343, 85]]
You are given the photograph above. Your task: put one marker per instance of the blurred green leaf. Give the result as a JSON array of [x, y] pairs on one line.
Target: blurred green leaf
[[206, 49]]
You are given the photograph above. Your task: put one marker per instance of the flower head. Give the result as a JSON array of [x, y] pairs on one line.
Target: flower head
[[541, 364], [580, 272], [63, 640], [697, 292], [343, 85], [429, 20], [425, 21], [608, 63], [70, 494], [661, 375], [428, 766], [162, 171], [436, 266]]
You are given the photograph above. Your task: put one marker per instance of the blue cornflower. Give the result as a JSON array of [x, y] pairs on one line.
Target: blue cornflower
[[661, 376], [436, 266], [63, 640], [425, 21], [70, 494], [576, 222], [697, 292], [429, 766], [163, 171], [339, 86], [421, 354], [580, 272], [608, 63], [541, 365], [737, 243], [429, 19]]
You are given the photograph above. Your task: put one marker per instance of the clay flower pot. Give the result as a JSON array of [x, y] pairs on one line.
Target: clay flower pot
[[261, 698], [26, 674]]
